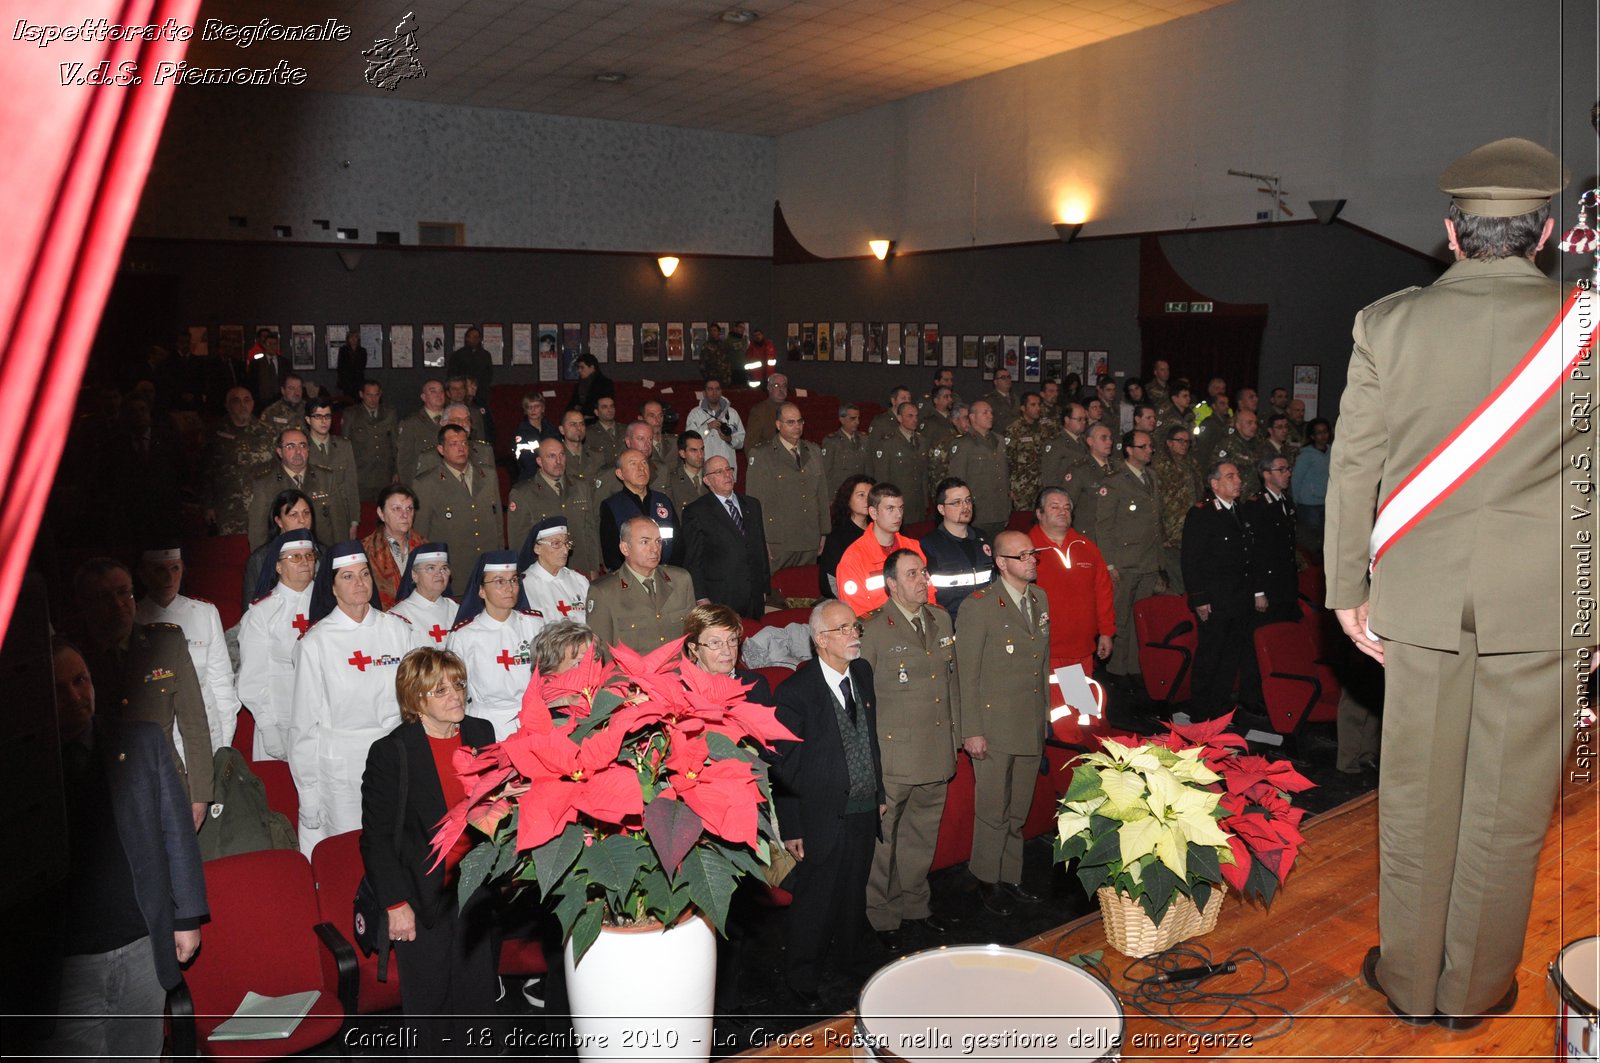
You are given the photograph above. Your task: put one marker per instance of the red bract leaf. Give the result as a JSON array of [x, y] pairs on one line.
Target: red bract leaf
[[687, 754], [1208, 732], [610, 795], [489, 817], [583, 680], [725, 795], [544, 811], [1237, 872]]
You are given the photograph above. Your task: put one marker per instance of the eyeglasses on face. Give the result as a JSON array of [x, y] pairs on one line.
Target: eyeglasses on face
[[558, 542], [1027, 555], [854, 628], [444, 690], [720, 645], [502, 581], [957, 501]]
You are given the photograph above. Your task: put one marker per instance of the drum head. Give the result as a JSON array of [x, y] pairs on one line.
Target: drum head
[[1576, 973], [987, 1002]]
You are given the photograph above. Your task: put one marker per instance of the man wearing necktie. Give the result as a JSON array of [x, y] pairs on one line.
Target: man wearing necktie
[[724, 543], [910, 645], [643, 602], [1272, 538], [1225, 594]]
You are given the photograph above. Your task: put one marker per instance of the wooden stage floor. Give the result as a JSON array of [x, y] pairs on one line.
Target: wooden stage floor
[[1320, 928]]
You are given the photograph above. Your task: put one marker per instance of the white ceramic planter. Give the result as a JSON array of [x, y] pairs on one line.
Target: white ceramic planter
[[645, 992]]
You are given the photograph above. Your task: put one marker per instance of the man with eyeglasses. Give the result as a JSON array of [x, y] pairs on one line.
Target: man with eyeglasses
[[1072, 573], [642, 602], [960, 559], [1067, 449], [293, 470], [860, 573], [557, 489], [289, 409], [979, 458], [830, 799], [789, 477], [1271, 518], [553, 589], [342, 509], [1127, 529], [725, 545], [911, 648], [1002, 400], [1003, 659], [493, 636], [1181, 487]]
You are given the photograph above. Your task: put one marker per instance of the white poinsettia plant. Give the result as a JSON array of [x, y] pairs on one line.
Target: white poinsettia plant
[[1144, 821]]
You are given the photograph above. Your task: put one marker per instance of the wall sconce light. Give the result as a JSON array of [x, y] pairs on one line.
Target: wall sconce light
[[881, 248], [668, 264], [1326, 209], [1068, 231]]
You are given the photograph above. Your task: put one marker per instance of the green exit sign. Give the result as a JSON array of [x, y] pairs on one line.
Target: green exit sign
[[1202, 308], [1177, 308]]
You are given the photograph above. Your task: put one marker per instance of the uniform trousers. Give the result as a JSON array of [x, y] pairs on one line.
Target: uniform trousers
[[1225, 653], [448, 975], [1172, 568], [897, 887], [1128, 588], [827, 916], [1002, 793], [1473, 748], [111, 1005]]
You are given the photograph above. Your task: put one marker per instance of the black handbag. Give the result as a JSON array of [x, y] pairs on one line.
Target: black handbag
[[371, 918]]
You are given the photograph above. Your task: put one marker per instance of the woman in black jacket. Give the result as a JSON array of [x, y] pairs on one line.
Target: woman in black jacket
[[446, 956], [850, 520], [592, 386]]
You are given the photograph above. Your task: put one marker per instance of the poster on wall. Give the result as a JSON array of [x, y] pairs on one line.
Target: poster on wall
[[400, 351], [699, 332], [808, 341], [372, 340], [230, 341], [791, 341], [891, 343], [841, 342], [971, 351], [949, 354], [624, 341], [571, 347], [1052, 363], [494, 341], [1308, 387], [911, 344], [1098, 367], [650, 341], [1011, 355], [333, 339], [875, 341], [302, 347], [1031, 360], [1074, 365], [522, 343], [199, 341], [824, 341], [433, 346], [858, 342], [599, 341], [989, 352], [548, 343], [461, 336], [674, 341]]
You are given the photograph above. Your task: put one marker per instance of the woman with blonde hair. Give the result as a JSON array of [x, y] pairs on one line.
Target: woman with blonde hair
[[446, 952]]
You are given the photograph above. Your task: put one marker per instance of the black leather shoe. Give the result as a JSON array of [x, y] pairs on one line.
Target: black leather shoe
[[1369, 975], [994, 898], [891, 940], [930, 923], [1016, 890], [1467, 1022]]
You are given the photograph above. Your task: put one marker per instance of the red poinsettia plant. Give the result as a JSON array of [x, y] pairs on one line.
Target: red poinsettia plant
[[631, 790], [1263, 827]]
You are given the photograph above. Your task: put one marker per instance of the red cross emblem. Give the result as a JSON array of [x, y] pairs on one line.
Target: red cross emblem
[[438, 633], [505, 659], [301, 624], [563, 606], [360, 660]]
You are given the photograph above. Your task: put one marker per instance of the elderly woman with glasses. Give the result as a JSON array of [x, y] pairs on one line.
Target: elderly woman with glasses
[[494, 634], [446, 951], [711, 637]]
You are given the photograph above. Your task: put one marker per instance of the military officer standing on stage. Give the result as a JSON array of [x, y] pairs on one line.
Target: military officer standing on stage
[[241, 450], [1460, 607], [373, 432], [1003, 660], [979, 459], [555, 490], [458, 504], [902, 458], [1127, 529], [790, 479], [910, 645]]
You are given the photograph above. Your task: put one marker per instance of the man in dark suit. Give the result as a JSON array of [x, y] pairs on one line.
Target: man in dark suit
[[134, 896], [1224, 595], [1271, 520], [830, 799], [725, 548]]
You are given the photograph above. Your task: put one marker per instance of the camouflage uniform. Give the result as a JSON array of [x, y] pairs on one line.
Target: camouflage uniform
[[1180, 484], [1170, 415], [1155, 393], [284, 414], [1024, 443], [238, 456], [939, 461], [1247, 454]]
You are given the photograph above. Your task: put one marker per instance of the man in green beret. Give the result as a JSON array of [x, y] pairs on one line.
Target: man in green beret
[[1462, 604]]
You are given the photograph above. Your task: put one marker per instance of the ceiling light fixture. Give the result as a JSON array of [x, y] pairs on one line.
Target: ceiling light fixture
[[668, 264], [738, 16], [1068, 231], [611, 77], [881, 248]]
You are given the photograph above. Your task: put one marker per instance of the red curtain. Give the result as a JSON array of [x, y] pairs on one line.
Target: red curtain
[[77, 156]]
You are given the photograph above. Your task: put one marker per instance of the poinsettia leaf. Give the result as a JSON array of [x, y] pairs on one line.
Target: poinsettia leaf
[[606, 702], [1262, 884], [1093, 877], [474, 869], [505, 859], [1107, 845], [748, 861], [1160, 884], [722, 747], [1203, 863], [673, 827], [1085, 784], [614, 862], [711, 879], [570, 898], [587, 929], [1200, 893], [552, 859]]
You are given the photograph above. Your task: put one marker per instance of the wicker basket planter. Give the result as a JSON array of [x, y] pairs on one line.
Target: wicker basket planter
[[1130, 931]]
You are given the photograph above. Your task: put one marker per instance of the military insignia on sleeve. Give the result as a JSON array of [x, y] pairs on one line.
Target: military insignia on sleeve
[[589, 605], [1068, 478], [987, 550], [511, 507], [1103, 492], [880, 453]]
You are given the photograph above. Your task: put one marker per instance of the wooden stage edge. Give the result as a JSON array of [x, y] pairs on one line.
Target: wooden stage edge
[[1319, 929]]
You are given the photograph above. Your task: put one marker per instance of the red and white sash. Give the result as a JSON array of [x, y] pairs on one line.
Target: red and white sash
[[1475, 440]]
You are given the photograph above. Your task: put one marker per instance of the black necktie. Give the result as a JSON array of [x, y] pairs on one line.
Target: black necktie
[[849, 701], [733, 511]]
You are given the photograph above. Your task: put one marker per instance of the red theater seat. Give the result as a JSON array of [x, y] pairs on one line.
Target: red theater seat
[[1296, 686], [1168, 640], [337, 866]]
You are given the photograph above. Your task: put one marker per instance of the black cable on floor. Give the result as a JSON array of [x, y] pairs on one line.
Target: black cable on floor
[[1228, 1003]]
